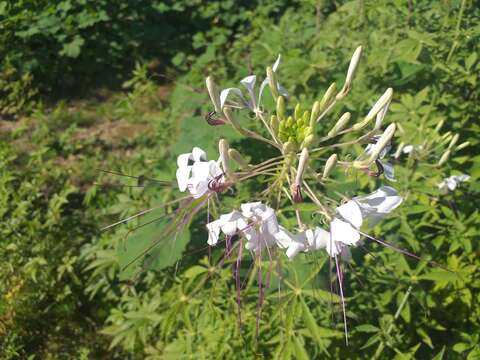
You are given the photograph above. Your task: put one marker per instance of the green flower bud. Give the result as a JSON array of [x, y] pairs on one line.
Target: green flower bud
[[328, 97], [439, 125], [214, 94], [329, 165], [308, 141], [274, 124], [352, 67], [308, 131], [280, 108], [444, 158], [289, 147], [383, 141], [272, 82], [315, 113], [223, 148], [462, 145], [399, 150], [306, 118], [237, 157], [297, 115], [340, 124], [290, 122], [454, 141]]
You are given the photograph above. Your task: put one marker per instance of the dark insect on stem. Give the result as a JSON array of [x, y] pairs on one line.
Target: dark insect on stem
[[213, 119], [379, 171], [217, 185]]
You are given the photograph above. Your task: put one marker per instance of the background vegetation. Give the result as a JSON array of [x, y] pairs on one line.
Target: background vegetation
[[118, 85]]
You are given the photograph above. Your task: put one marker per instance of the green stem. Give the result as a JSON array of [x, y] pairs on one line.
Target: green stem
[[457, 30], [390, 327]]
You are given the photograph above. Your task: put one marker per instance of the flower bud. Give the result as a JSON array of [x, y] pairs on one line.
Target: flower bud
[[308, 141], [290, 122], [302, 163], [238, 158], [233, 121], [328, 97], [280, 108], [315, 113], [296, 114], [272, 82], [382, 104], [288, 147], [463, 145], [352, 67], [214, 94], [224, 158], [383, 141], [399, 150], [274, 124], [306, 118], [439, 125], [329, 165], [444, 158], [340, 124], [453, 141]]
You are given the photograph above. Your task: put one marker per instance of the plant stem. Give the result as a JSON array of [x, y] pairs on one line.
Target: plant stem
[[381, 346]]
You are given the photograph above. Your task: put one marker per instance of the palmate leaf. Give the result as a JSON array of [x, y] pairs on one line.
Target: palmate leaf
[[155, 246]]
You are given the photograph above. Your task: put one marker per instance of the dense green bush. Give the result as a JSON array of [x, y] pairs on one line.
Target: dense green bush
[[70, 46]]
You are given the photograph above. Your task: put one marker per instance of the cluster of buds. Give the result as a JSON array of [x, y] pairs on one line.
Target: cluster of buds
[[295, 132]]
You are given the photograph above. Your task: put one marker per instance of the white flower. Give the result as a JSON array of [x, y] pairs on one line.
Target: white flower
[[230, 224], [453, 181], [195, 173], [345, 227], [264, 226], [387, 167], [378, 204], [252, 102], [293, 243]]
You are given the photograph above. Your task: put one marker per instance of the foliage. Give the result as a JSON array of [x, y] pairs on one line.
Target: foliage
[[69, 46]]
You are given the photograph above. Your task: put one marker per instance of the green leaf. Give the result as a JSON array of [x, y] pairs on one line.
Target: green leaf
[[440, 276], [151, 246], [439, 356], [367, 328], [73, 48]]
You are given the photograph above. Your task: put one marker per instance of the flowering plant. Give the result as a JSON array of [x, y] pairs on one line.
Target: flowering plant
[[295, 206]]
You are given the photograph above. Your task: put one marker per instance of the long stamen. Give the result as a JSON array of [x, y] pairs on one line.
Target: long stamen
[[340, 281]]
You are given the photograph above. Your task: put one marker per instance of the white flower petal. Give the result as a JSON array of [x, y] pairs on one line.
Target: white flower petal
[[333, 248], [249, 83], [249, 208], [213, 232], [343, 232], [198, 154], [183, 175], [270, 220], [283, 238], [317, 239], [350, 211], [182, 159], [226, 92], [294, 248], [388, 171]]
